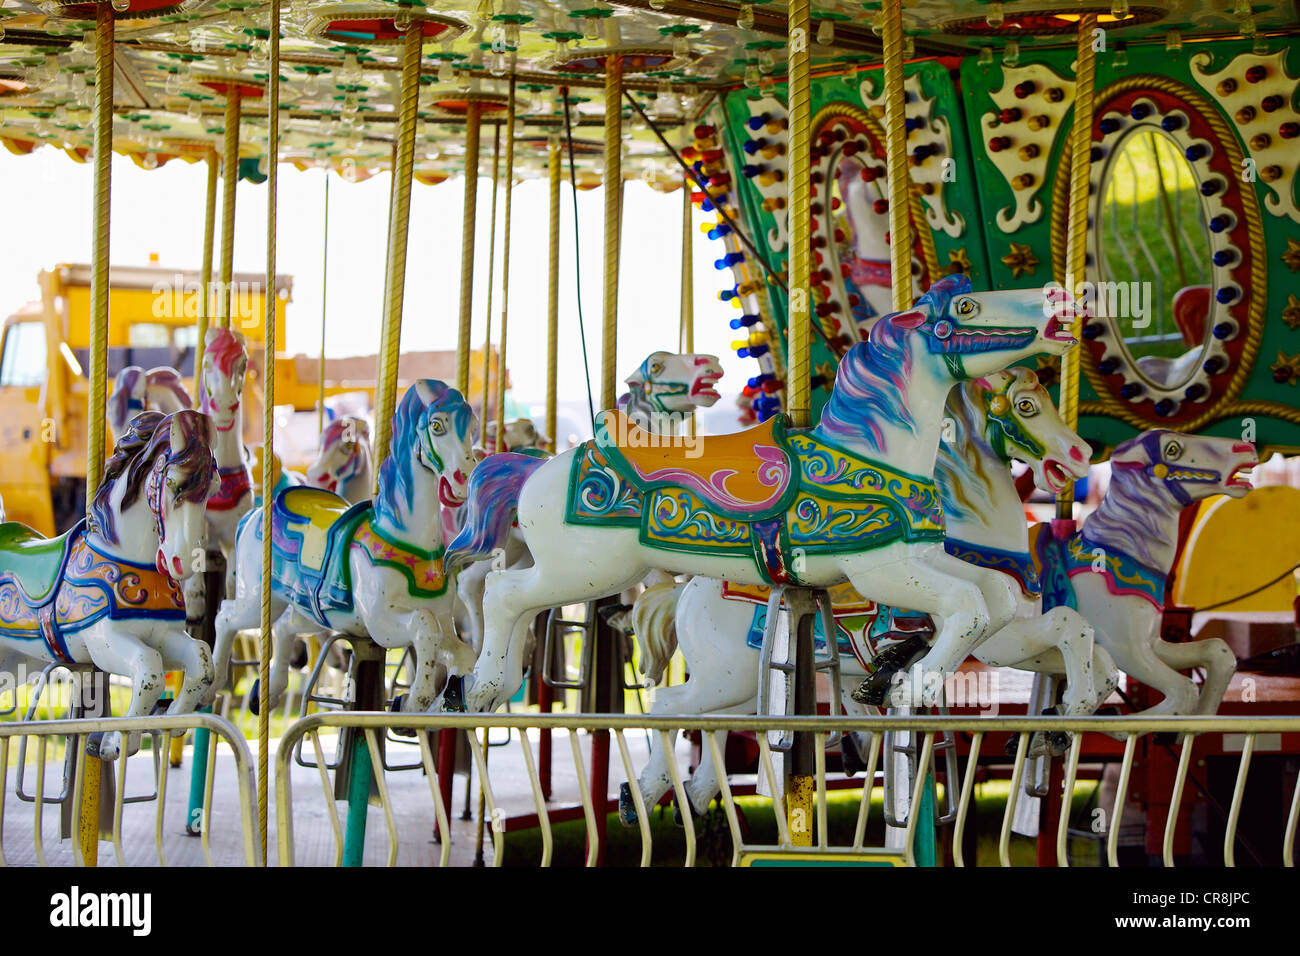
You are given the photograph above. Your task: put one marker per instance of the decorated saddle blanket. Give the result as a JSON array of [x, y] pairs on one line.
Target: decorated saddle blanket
[[1016, 564], [50, 588], [759, 494], [1060, 559], [314, 534], [236, 484], [852, 612]]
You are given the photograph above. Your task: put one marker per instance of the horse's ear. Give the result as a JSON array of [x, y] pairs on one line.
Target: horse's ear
[[908, 320], [1132, 453], [177, 426]]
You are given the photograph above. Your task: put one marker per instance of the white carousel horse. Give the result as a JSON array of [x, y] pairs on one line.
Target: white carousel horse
[[221, 386], [1133, 535], [866, 268], [851, 499], [1002, 416], [521, 434], [344, 464], [107, 592], [663, 392], [135, 390], [370, 569]]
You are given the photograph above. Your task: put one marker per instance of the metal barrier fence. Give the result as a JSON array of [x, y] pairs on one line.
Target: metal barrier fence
[[74, 733], [900, 852]]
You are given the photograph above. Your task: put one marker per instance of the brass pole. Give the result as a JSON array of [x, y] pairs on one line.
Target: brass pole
[[492, 270], [270, 301], [613, 224], [1076, 254], [88, 818], [505, 270], [230, 177], [798, 403], [398, 223], [553, 302], [473, 123], [900, 220], [205, 277], [324, 296], [686, 334]]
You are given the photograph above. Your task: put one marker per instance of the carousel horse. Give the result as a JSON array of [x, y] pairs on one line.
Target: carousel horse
[[344, 464], [720, 629], [664, 390], [521, 435], [221, 386], [107, 592], [852, 498], [135, 390], [864, 257], [371, 569], [1113, 570]]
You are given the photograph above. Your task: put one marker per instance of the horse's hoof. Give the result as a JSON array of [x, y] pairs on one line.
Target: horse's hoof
[[1012, 745], [1058, 742], [299, 659], [255, 698], [626, 806], [95, 745], [395, 706], [850, 759], [453, 695], [875, 689]]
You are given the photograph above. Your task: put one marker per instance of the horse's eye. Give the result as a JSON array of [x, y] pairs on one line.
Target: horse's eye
[[1173, 450], [1026, 407], [965, 306], [656, 368], [437, 427]]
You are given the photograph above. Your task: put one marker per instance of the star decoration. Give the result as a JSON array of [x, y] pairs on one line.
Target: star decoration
[[1286, 370], [1020, 260], [1292, 255], [958, 261], [827, 372], [1291, 312], [1049, 369]]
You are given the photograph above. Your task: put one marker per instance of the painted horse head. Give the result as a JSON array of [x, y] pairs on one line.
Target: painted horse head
[[166, 463], [135, 390], [520, 433], [221, 380], [344, 461], [668, 384], [1003, 416], [951, 335], [432, 431]]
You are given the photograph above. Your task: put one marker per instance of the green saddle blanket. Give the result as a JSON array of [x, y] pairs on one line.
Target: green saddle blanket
[[33, 561]]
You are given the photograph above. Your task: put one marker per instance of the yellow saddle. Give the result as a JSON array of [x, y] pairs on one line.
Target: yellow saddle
[[748, 475]]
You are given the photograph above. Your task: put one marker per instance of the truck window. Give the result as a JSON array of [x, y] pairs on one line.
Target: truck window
[[23, 361]]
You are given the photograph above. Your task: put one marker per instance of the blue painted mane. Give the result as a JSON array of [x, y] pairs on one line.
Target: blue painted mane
[[870, 385], [422, 400]]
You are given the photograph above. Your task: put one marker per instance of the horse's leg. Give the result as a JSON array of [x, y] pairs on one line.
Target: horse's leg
[[284, 629], [1136, 656], [1059, 641], [195, 661], [933, 584], [115, 650], [435, 647], [469, 584], [1212, 654]]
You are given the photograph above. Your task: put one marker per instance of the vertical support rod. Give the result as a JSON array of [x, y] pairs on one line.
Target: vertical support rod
[[798, 199], [900, 194], [492, 271], [553, 302], [205, 276], [398, 223], [268, 425], [230, 177], [505, 270], [88, 820], [613, 227], [469, 217], [686, 334], [324, 300], [1076, 249]]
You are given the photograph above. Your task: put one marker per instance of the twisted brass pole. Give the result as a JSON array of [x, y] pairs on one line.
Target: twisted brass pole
[[270, 301], [324, 299], [205, 276], [88, 818], [900, 220], [613, 228], [686, 334], [553, 301], [398, 223], [798, 200], [1076, 249], [505, 270], [469, 216], [492, 271], [230, 177]]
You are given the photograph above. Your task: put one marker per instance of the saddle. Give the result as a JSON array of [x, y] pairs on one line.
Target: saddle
[[311, 531], [748, 476], [34, 562]]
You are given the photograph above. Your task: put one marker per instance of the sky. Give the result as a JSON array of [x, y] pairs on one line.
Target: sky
[[47, 204]]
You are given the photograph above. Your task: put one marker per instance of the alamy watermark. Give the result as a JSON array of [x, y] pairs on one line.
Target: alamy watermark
[[1131, 301]]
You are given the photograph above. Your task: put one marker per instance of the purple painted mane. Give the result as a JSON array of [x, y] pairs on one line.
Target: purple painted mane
[[1136, 506]]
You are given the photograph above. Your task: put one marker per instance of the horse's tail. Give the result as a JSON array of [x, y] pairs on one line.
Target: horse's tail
[[491, 504], [654, 622]]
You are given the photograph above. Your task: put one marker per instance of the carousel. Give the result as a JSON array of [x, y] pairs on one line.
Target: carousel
[[996, 564]]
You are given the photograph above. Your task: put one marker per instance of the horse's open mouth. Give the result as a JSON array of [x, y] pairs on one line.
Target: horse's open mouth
[[704, 386], [1237, 480], [1056, 475], [447, 495], [1056, 331]]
